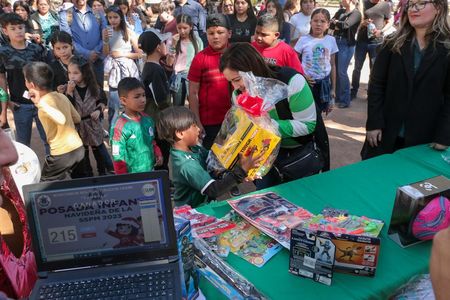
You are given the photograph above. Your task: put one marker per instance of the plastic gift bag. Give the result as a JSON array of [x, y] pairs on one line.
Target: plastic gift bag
[[248, 128], [17, 274]]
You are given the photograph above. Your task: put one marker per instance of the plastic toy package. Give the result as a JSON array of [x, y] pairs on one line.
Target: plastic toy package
[[222, 276], [248, 129], [247, 242]]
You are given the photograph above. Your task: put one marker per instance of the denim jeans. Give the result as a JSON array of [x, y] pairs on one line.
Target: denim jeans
[[361, 50], [23, 120], [343, 60], [113, 107], [98, 66]]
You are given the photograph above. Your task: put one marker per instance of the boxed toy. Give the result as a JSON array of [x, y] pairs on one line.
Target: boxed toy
[[248, 129], [355, 254], [189, 273], [311, 255], [420, 210], [351, 254], [248, 137]]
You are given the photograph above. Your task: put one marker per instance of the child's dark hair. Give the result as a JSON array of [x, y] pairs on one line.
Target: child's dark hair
[[11, 19], [87, 73], [324, 12], [90, 2], [128, 84], [186, 19], [268, 21], [173, 119], [40, 74], [279, 15], [123, 26], [61, 37], [24, 5]]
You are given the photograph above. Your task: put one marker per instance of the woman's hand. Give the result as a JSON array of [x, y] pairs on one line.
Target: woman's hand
[[95, 114], [374, 137], [438, 147], [105, 35]]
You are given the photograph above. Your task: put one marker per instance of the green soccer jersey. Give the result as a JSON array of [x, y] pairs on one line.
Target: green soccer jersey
[[132, 144], [189, 176], [3, 95]]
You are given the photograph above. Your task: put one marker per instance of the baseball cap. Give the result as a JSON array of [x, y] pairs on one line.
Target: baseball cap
[[218, 20], [151, 38]]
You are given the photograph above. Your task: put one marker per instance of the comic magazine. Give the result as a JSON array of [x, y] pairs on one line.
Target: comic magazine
[[272, 214], [247, 242]]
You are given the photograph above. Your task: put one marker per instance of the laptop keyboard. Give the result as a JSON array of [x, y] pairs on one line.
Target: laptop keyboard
[[151, 285]]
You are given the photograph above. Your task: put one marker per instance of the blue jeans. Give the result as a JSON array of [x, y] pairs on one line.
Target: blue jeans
[[343, 60], [113, 107], [23, 120], [99, 69], [361, 50]]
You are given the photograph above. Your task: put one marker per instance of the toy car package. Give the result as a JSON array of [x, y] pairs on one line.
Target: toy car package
[[311, 255], [248, 129], [272, 214]]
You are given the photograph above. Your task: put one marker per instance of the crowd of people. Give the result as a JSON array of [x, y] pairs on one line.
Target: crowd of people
[[55, 59]]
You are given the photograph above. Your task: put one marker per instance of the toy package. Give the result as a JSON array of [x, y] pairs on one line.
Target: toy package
[[420, 210], [345, 224], [248, 129], [356, 255], [350, 254], [272, 214], [247, 242], [229, 282], [203, 226], [311, 255], [188, 270]]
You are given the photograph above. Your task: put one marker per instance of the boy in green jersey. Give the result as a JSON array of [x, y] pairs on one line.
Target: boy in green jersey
[[133, 134], [192, 182]]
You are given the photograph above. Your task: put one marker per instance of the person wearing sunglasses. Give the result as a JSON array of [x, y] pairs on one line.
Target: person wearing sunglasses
[[409, 88]]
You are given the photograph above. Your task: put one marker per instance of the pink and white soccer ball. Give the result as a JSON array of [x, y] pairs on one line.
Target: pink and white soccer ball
[[434, 217]]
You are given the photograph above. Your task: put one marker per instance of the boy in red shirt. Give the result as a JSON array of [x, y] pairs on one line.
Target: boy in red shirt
[[209, 94], [274, 51]]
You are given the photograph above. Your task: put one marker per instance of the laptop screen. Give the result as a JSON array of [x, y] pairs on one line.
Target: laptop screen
[[97, 218]]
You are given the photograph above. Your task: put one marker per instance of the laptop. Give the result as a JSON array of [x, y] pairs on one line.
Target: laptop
[[108, 237]]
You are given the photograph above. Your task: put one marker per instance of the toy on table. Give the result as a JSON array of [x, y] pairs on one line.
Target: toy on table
[[434, 217]]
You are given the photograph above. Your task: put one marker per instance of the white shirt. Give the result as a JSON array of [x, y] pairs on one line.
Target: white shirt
[[316, 54], [301, 24]]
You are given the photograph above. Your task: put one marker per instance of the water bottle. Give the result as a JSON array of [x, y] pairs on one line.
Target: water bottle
[[370, 28]]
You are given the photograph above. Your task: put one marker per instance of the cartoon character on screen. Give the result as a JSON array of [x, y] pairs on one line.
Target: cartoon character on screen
[[350, 252], [326, 247], [127, 231], [187, 257]]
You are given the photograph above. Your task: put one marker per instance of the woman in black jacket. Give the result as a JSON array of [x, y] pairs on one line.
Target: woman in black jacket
[[345, 23], [409, 88]]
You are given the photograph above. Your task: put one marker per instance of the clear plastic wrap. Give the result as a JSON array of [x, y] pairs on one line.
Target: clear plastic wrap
[[418, 287], [221, 275], [248, 128]]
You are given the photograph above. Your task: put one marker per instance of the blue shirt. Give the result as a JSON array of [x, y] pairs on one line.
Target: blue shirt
[[195, 11], [86, 30]]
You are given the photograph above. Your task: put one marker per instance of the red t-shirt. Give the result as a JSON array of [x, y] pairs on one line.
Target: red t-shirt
[[214, 95], [281, 55]]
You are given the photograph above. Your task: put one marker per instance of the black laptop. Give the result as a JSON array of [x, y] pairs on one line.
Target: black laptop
[[106, 237]]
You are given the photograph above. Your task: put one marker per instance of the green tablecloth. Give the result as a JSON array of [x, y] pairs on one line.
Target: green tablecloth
[[365, 188]]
